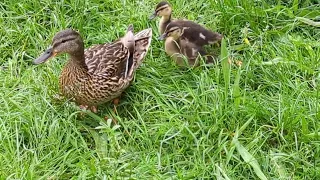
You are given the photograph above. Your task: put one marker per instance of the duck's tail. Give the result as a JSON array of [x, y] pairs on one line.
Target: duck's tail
[[142, 41]]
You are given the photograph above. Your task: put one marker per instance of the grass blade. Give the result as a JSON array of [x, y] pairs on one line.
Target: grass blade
[[248, 158], [220, 170], [308, 21], [244, 153], [236, 89], [225, 67]]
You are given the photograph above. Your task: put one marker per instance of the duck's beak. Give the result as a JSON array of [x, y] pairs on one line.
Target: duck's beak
[[153, 15], [162, 37], [45, 56]]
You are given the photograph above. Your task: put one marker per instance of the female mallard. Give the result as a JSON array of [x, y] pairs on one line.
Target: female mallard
[[100, 73]]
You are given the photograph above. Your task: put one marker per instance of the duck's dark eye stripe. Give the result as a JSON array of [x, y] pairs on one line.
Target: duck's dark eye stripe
[[160, 9], [170, 31], [63, 41], [68, 39]]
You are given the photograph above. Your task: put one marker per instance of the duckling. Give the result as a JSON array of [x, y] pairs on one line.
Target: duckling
[[193, 32], [164, 10], [181, 50]]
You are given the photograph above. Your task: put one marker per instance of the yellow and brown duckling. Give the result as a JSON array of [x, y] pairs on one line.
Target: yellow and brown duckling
[[181, 50], [193, 32], [180, 40], [185, 53], [163, 10], [100, 73]]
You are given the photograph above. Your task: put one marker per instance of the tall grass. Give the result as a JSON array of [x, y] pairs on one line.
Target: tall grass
[[257, 120]]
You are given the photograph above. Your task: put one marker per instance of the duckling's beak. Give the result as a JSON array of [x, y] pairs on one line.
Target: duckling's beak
[[153, 15], [162, 37], [45, 56]]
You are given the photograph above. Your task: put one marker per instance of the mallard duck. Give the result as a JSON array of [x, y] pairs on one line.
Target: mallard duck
[[100, 73], [164, 10], [191, 31]]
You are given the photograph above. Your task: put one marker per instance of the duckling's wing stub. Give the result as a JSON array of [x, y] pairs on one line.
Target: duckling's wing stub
[[195, 33], [201, 36]]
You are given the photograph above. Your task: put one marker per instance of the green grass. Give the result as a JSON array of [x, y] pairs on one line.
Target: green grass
[[258, 121]]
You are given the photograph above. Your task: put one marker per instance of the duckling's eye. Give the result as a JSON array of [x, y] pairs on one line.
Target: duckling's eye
[[63, 41]]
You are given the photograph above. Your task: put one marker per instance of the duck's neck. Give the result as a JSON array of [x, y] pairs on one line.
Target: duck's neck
[[164, 21], [78, 60], [171, 46]]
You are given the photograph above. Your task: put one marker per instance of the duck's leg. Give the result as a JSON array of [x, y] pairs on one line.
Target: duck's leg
[[94, 109], [86, 107], [115, 103], [58, 97], [83, 107]]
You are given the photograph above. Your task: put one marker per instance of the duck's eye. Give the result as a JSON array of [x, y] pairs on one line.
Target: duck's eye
[[63, 41]]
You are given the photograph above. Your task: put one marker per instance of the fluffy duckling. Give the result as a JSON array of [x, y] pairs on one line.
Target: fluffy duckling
[[193, 32], [180, 50], [163, 10], [185, 53]]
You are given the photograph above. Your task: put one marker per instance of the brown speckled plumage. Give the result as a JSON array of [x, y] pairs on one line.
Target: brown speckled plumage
[[102, 72]]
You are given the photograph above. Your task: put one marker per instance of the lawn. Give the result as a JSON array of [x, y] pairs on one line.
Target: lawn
[[257, 120]]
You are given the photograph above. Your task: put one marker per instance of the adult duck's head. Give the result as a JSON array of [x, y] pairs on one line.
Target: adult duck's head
[[65, 41]]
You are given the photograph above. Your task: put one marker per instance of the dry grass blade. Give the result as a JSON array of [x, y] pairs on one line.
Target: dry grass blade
[[308, 21]]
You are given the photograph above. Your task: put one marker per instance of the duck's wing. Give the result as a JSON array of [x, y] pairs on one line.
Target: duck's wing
[[111, 59]]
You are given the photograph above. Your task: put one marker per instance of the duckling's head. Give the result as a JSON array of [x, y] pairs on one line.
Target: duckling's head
[[66, 41], [162, 9], [173, 31]]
